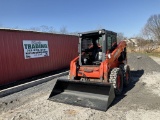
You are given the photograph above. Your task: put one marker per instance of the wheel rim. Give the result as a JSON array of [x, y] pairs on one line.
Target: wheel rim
[[127, 76]]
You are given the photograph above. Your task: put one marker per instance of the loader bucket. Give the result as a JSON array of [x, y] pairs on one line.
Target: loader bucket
[[86, 94]]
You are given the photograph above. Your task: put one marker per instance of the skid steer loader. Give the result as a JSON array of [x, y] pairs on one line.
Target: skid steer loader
[[97, 74]]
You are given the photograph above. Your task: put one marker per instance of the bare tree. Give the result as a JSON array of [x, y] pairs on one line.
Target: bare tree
[[34, 29], [145, 44], [63, 30], [43, 28], [120, 36], [152, 28], [74, 33]]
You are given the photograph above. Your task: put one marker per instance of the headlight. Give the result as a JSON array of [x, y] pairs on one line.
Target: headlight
[[80, 35], [100, 32]]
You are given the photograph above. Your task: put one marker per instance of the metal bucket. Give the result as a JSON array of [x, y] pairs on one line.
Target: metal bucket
[[86, 94]]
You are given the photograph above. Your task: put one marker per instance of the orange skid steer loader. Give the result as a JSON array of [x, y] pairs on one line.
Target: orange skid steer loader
[[97, 74]]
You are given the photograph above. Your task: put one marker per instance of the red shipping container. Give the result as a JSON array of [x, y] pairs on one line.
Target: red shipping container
[[14, 66]]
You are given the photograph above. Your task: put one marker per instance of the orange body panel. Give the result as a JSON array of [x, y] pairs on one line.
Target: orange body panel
[[101, 71]]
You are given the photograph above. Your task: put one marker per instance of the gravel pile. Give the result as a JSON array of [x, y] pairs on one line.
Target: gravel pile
[[138, 61]]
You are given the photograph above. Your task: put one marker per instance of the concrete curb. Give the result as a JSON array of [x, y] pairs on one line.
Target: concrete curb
[[21, 87]]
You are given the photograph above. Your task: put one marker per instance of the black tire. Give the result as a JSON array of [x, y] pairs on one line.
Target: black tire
[[116, 78], [77, 78], [127, 75]]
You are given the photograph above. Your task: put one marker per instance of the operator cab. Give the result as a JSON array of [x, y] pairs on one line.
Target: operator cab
[[91, 50], [94, 45]]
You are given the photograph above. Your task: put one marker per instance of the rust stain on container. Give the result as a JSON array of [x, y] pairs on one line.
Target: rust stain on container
[[62, 49]]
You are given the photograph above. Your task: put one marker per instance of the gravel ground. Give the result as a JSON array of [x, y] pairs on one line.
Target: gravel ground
[[143, 62], [140, 101], [155, 59]]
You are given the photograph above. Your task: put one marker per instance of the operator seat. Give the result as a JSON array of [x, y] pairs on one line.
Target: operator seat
[[97, 56]]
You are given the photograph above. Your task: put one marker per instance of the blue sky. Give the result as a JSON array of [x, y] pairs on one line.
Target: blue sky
[[126, 16]]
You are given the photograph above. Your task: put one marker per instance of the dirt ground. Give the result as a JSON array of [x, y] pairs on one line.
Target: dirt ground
[[140, 101]]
